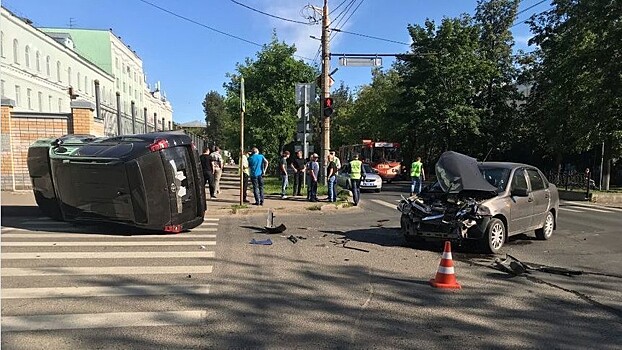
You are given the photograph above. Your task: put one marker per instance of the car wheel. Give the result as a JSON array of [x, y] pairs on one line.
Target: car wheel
[[546, 231], [377, 190], [494, 237]]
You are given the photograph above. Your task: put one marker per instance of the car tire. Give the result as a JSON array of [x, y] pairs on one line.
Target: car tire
[[377, 190], [548, 226], [405, 228], [495, 236]]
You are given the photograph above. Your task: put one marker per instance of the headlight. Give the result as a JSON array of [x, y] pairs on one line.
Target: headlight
[[483, 210]]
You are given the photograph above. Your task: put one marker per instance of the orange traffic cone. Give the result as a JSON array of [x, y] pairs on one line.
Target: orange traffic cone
[[445, 276]]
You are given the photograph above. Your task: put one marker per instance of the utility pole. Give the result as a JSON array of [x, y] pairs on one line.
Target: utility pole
[[325, 90], [242, 110]]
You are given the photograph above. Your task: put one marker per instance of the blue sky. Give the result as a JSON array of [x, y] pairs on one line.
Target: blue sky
[[191, 60]]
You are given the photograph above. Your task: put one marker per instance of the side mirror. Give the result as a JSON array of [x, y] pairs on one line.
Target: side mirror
[[376, 171], [520, 192]]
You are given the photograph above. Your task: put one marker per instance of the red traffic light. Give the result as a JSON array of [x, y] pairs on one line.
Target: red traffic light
[[328, 102]]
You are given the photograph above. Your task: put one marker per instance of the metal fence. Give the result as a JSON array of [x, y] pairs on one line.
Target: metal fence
[[570, 180]]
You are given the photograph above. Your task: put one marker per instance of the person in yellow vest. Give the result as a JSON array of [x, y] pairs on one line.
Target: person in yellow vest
[[356, 173], [417, 176]]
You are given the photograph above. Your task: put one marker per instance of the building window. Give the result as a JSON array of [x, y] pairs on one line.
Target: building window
[[47, 66], [86, 84], [38, 61], [92, 88], [40, 100], [29, 98], [18, 95], [117, 83], [58, 71], [50, 103], [27, 56], [60, 105], [15, 51], [69, 76], [1, 44], [79, 82], [116, 62], [124, 89]]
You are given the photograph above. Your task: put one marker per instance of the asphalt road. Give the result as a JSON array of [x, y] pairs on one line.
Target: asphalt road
[[73, 287]]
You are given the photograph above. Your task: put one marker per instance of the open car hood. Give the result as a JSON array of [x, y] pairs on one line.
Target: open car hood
[[458, 173]]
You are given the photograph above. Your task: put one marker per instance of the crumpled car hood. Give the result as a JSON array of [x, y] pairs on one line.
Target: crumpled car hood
[[459, 174]]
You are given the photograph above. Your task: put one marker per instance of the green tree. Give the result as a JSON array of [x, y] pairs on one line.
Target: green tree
[[576, 99], [216, 117], [271, 110], [440, 80], [498, 97], [343, 121]]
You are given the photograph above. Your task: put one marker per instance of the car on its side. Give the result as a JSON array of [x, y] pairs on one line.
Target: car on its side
[[372, 181], [482, 201], [152, 181]]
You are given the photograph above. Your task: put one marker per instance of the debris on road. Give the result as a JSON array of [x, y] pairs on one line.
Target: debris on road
[[292, 239], [344, 242], [261, 242], [513, 266], [270, 228]]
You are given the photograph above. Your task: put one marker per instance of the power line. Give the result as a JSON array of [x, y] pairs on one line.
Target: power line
[[211, 28], [530, 7], [270, 15], [534, 14], [200, 24], [337, 7], [369, 36], [341, 14], [352, 13]]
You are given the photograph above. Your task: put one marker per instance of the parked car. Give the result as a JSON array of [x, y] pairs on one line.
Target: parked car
[[152, 181], [487, 202], [372, 180]]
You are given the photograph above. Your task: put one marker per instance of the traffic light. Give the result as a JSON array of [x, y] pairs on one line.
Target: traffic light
[[328, 106]]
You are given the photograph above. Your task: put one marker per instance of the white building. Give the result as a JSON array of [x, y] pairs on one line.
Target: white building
[[38, 66], [36, 71]]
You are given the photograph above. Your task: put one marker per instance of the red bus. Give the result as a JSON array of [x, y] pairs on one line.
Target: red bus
[[384, 157]]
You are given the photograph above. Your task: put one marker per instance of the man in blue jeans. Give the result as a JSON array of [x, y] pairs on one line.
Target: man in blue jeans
[[283, 171], [258, 164]]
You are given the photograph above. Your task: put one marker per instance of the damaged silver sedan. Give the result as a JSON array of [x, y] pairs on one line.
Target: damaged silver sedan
[[481, 201]]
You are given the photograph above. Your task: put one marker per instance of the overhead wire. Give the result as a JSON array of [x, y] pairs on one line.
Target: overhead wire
[[210, 28], [269, 14], [337, 7]]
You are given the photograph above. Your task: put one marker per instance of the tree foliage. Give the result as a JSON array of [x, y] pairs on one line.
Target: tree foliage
[[216, 118], [270, 118]]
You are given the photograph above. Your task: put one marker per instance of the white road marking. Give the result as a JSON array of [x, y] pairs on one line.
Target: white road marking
[[203, 229], [107, 243], [208, 224], [101, 320], [386, 204], [584, 205], [211, 219], [106, 255], [591, 209], [572, 210], [108, 270], [93, 235], [106, 291]]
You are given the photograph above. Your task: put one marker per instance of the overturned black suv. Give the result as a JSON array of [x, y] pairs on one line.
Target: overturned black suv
[[481, 201], [152, 181]]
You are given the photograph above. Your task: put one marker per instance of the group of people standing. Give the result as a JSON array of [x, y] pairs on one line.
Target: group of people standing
[[212, 164]]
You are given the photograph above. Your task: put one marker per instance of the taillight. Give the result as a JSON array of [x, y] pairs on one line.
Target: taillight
[[158, 144], [172, 228]]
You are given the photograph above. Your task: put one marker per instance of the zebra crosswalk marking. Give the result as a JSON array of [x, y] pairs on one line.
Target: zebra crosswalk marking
[[106, 255], [108, 270], [106, 244], [103, 291]]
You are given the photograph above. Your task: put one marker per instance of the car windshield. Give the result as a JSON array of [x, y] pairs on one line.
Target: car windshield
[[367, 169], [497, 177]]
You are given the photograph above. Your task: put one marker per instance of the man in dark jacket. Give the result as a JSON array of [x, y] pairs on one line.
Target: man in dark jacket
[[208, 171]]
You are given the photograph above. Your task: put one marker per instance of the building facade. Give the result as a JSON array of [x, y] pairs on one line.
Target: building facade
[[53, 82]]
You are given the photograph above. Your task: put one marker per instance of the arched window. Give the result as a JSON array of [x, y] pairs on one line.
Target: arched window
[[79, 82], [1, 44], [15, 51], [58, 71], [27, 56], [69, 76], [47, 66], [38, 61]]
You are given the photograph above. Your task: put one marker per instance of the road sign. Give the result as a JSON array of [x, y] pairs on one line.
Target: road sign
[[307, 89], [360, 61]]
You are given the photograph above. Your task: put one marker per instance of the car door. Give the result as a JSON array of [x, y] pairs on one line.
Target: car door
[[521, 207], [541, 196]]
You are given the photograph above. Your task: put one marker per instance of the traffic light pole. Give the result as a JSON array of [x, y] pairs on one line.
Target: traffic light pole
[[325, 91]]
